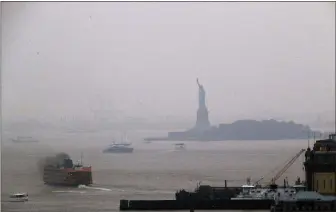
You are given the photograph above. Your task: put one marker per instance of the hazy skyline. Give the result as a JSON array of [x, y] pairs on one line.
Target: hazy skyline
[[257, 59]]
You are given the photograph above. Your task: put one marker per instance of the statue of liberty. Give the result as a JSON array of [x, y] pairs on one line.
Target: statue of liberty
[[201, 95], [202, 122]]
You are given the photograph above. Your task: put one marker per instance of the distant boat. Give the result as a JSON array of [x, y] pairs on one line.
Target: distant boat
[[180, 146], [24, 139], [122, 147], [119, 148], [18, 197]]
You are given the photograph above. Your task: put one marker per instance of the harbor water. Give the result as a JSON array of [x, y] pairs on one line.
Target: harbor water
[[153, 171]]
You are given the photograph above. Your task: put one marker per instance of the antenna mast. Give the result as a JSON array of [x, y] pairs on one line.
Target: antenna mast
[[314, 137]]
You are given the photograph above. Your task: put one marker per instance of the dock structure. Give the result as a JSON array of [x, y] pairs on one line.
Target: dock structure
[[318, 193], [320, 171], [320, 166], [156, 205]]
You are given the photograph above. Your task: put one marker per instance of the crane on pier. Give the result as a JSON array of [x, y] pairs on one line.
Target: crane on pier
[[289, 164]]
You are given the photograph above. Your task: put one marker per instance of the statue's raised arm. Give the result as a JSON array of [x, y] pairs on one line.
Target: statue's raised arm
[[199, 85], [201, 95]]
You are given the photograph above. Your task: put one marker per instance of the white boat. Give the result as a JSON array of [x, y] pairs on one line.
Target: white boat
[[122, 144], [119, 148], [122, 147], [253, 192], [180, 146], [19, 197], [24, 139]]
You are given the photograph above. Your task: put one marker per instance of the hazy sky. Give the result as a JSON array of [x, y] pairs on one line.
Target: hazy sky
[[254, 59]]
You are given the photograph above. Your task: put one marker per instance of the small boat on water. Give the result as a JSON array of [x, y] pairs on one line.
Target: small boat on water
[[180, 146], [122, 147], [18, 197], [24, 139], [119, 148]]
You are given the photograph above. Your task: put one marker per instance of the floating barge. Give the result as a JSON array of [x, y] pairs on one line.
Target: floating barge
[[216, 198], [227, 204], [319, 193], [205, 197]]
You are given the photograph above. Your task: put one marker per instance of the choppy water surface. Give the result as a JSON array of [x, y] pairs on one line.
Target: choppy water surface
[[153, 171]]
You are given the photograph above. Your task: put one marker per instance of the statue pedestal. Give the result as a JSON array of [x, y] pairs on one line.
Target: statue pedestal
[[202, 122]]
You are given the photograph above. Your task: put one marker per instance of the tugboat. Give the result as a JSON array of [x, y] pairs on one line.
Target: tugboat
[[65, 173]]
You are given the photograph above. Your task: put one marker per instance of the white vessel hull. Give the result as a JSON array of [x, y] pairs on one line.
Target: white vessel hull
[[19, 200]]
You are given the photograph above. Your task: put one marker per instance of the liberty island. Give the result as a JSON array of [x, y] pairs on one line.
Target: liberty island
[[238, 130]]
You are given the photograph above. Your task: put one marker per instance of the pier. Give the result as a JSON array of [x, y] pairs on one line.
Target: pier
[[155, 205]]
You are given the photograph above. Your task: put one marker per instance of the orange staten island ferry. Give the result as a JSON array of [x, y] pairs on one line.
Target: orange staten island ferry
[[65, 173]]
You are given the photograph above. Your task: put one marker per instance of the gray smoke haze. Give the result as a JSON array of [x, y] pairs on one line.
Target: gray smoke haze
[[256, 59], [52, 160]]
